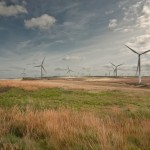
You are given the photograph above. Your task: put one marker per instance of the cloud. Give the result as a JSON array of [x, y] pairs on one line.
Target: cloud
[[142, 42], [61, 9], [112, 23], [132, 15], [11, 10], [144, 20], [122, 3], [109, 12], [86, 68], [24, 44], [132, 11], [70, 58], [59, 69], [137, 15], [43, 22], [127, 30]]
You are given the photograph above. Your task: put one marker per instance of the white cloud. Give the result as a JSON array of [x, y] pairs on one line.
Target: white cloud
[[141, 43], [43, 22], [123, 29], [127, 30], [146, 9], [11, 10], [143, 21], [24, 44], [70, 58], [132, 11], [112, 23], [137, 15]]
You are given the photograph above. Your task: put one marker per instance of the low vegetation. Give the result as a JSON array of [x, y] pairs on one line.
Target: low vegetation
[[69, 119]]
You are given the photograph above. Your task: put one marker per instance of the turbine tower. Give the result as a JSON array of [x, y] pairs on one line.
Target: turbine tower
[[42, 68], [115, 67], [139, 62], [114, 71]]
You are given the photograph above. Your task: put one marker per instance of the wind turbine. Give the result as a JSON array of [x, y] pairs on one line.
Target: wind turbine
[[23, 73], [69, 71], [139, 62], [42, 68], [115, 67]]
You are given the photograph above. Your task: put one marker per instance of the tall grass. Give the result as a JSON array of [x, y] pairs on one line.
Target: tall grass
[[34, 117], [68, 129]]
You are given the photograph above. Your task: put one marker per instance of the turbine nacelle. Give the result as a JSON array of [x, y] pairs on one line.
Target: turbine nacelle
[[69, 71]]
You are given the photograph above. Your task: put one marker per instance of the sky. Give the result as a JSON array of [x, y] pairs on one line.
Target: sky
[[83, 35]]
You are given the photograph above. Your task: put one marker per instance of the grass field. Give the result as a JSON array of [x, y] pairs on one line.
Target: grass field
[[60, 118]]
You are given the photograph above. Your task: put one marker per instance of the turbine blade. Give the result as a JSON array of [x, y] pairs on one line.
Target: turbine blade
[[145, 52], [43, 68], [120, 65], [67, 72], [112, 67], [132, 49], [113, 64], [43, 60], [71, 70], [37, 66]]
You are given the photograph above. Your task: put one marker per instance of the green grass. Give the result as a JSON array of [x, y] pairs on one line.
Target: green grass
[[55, 98], [78, 100]]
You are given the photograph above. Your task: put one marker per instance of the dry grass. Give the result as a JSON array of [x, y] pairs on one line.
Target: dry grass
[[27, 85], [69, 129], [90, 84]]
